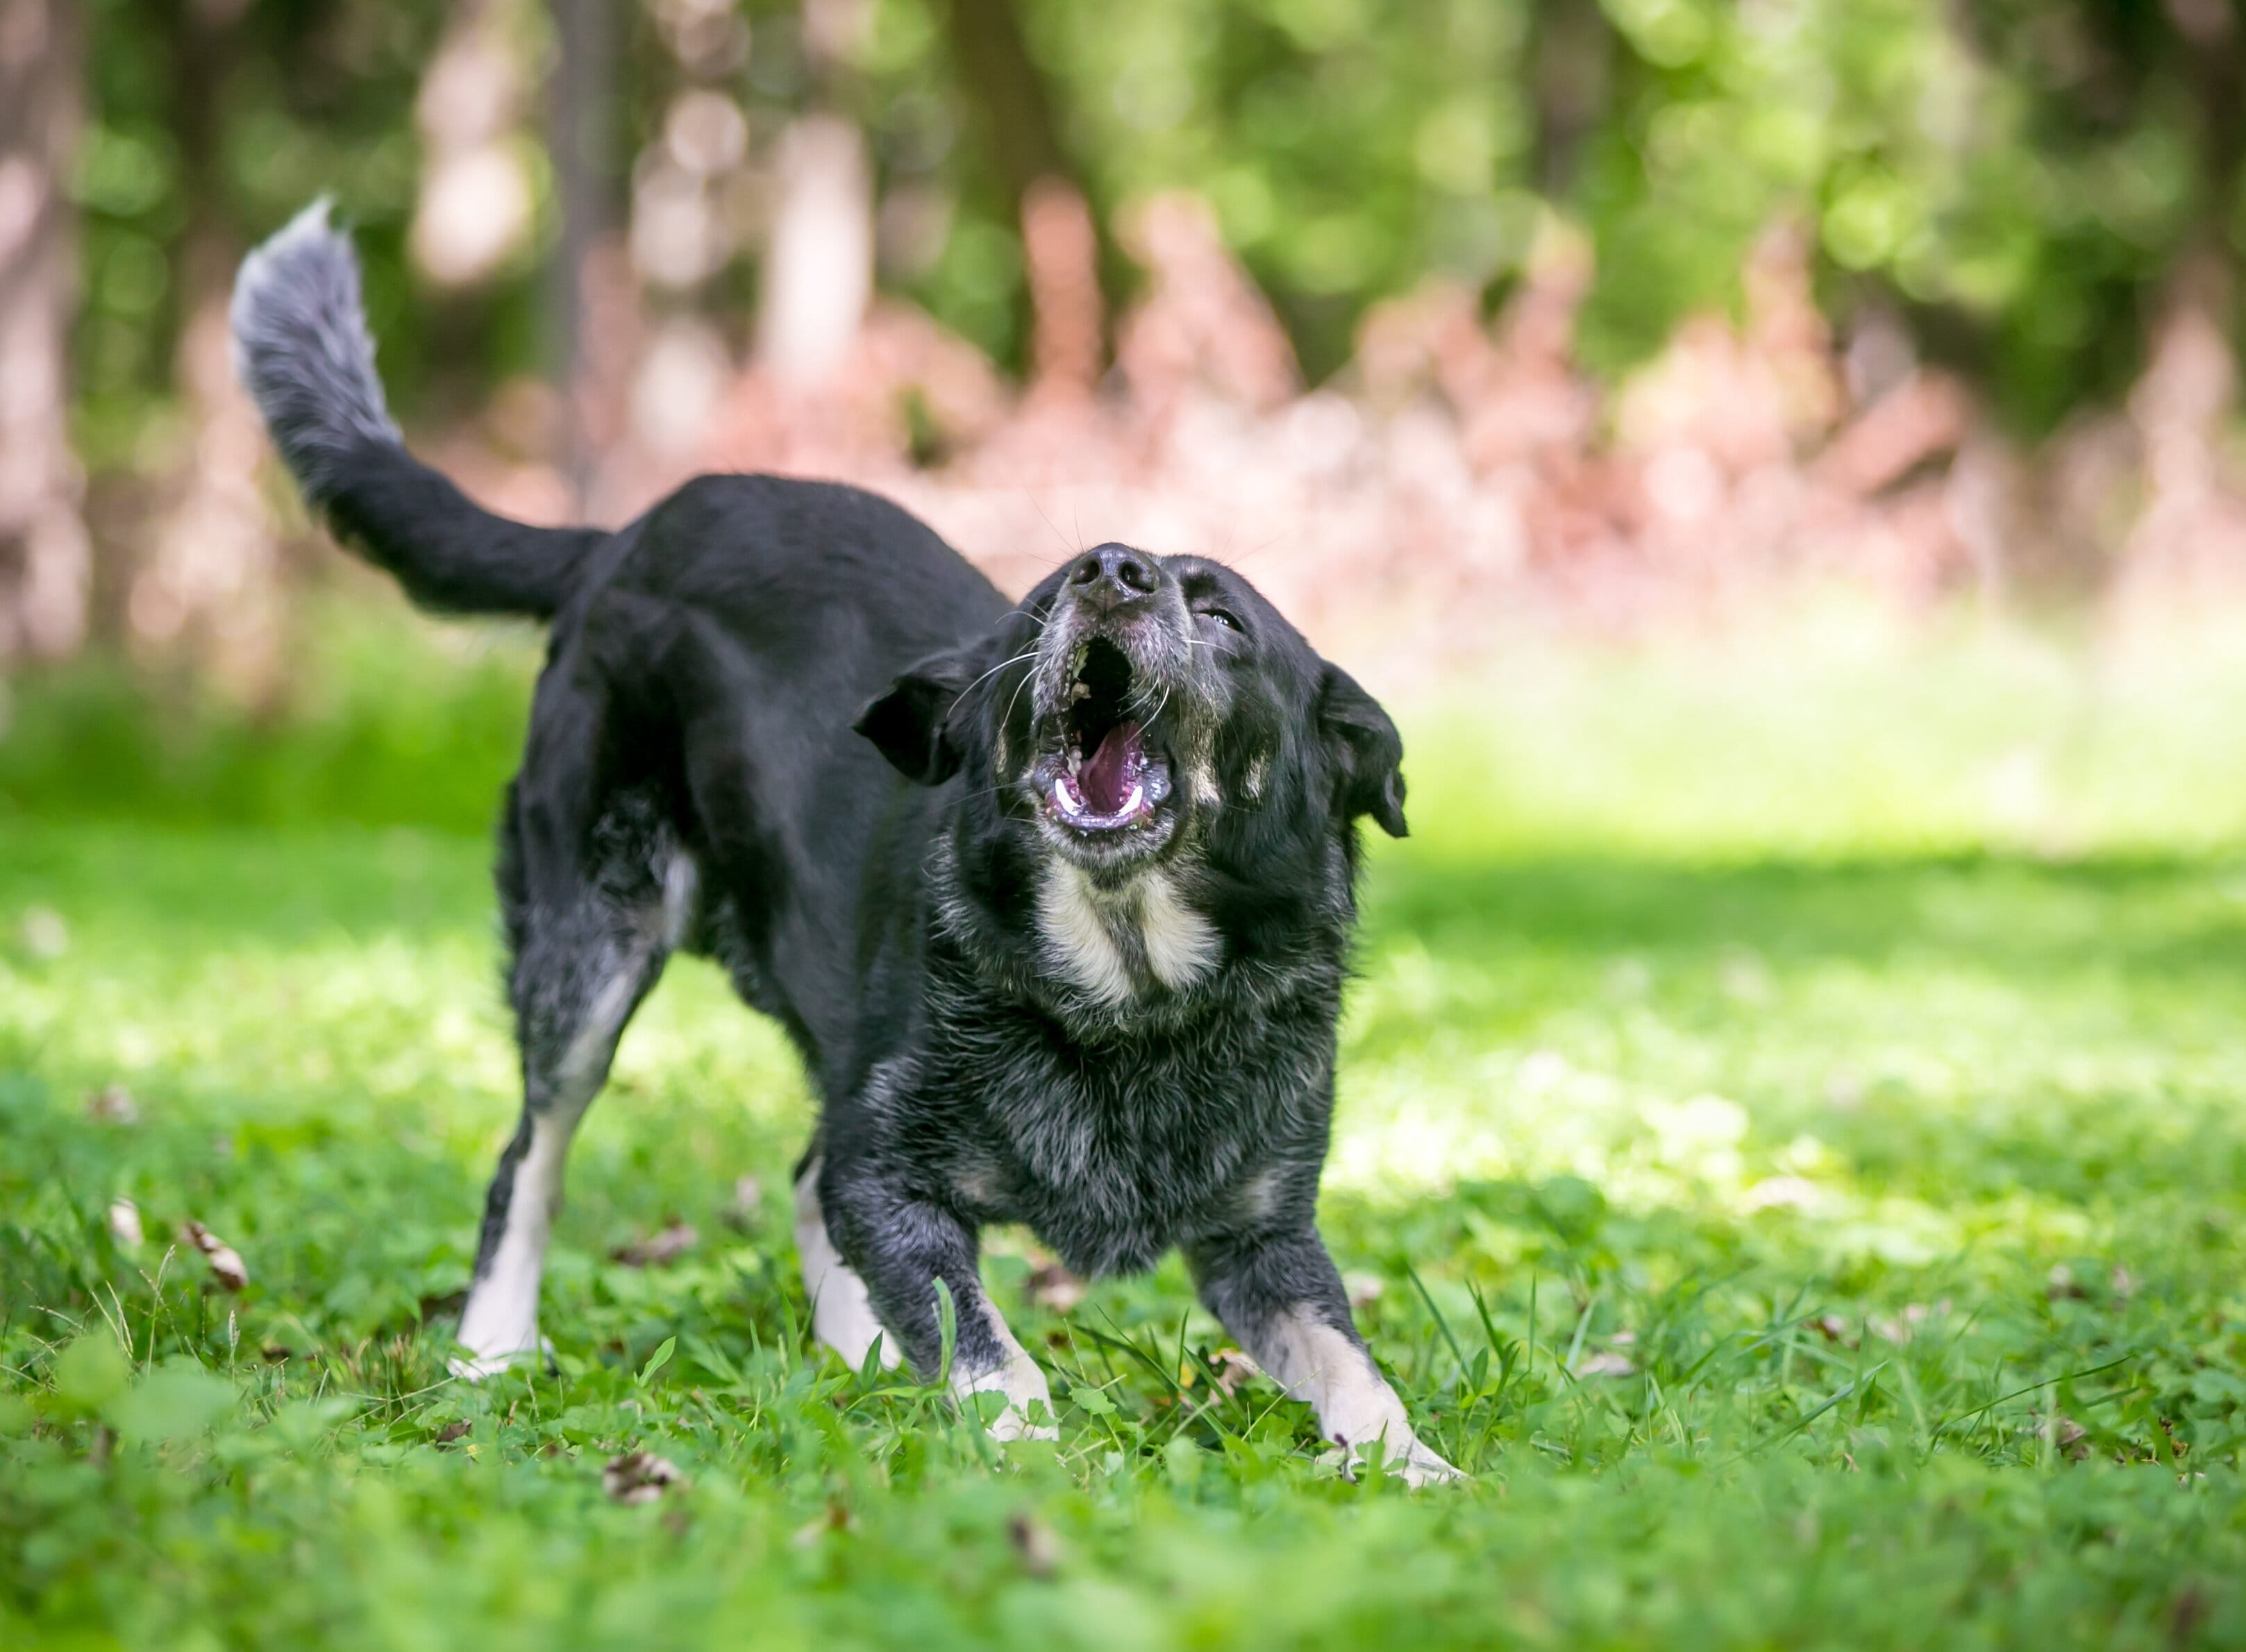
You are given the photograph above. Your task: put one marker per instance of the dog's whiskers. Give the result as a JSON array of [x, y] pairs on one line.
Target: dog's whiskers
[[995, 670], [1138, 700], [1014, 698]]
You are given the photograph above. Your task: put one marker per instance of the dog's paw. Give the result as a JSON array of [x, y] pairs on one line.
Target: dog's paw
[[476, 1368], [1014, 1424], [1422, 1467], [1415, 1465], [1012, 1402], [1026, 1412]]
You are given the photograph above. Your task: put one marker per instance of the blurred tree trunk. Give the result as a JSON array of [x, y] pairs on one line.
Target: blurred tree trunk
[[581, 122], [213, 582], [819, 264], [1013, 107], [1061, 252], [1009, 96], [474, 209], [1571, 58], [819, 267], [2213, 66], [45, 560]]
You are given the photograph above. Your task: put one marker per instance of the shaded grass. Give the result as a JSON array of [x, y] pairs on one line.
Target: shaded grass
[[1802, 1242]]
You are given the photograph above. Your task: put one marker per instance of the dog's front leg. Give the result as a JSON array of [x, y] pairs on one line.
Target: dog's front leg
[[1282, 1296], [841, 1309], [901, 1247]]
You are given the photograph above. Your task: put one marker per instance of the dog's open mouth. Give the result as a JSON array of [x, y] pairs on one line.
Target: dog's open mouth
[[1103, 776]]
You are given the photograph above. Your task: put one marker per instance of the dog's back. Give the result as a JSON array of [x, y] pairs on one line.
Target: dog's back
[[691, 748], [728, 641], [707, 661]]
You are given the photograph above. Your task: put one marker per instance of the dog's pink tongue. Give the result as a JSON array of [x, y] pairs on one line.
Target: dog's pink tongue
[[1105, 777]]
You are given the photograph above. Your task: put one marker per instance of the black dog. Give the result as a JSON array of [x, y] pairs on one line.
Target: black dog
[[1079, 968]]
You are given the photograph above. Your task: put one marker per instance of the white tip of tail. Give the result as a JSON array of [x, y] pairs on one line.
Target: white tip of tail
[[302, 349]]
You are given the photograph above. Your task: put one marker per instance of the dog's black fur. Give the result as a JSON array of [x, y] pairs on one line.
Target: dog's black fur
[[782, 723]]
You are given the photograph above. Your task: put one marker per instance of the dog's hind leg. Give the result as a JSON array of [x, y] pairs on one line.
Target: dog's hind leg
[[590, 941]]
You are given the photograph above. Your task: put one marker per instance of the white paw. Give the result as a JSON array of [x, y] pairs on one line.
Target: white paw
[[1422, 1467], [1024, 1387], [474, 1368], [1013, 1423], [1415, 1464]]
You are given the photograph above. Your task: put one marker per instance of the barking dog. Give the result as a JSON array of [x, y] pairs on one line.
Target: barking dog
[[1054, 899]]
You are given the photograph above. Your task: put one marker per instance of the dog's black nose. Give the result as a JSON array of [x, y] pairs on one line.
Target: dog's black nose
[[1111, 575]]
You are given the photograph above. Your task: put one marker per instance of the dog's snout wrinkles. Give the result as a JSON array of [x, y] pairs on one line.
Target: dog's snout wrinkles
[[1113, 575]]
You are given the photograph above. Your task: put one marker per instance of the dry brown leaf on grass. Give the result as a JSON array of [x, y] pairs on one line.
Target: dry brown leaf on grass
[[1052, 1287], [639, 1477], [1607, 1365], [1900, 1329], [2069, 1435], [1234, 1369], [675, 1240], [112, 1105], [2185, 1617], [125, 1222], [1034, 1541], [836, 1518], [226, 1264], [747, 1203]]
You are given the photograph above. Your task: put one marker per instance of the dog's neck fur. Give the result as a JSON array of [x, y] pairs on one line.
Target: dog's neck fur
[[1123, 942], [1140, 954]]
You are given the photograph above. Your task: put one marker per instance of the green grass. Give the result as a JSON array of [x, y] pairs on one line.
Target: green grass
[[1794, 1114]]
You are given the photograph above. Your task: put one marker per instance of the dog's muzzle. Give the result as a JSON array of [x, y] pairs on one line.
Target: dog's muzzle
[[1103, 772], [1098, 771]]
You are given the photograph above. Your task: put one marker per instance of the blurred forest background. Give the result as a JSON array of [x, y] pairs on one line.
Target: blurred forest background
[[1426, 312]]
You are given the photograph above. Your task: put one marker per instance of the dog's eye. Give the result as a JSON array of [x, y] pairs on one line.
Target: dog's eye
[[1230, 623]]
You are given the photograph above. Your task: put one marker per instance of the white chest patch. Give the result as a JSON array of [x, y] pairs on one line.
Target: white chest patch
[[1078, 943], [1182, 945], [1099, 938]]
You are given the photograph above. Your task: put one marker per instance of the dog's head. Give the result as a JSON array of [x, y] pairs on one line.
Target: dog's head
[[1134, 709]]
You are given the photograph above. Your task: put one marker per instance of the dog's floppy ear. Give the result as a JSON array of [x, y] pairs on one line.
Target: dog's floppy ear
[[1366, 751], [912, 722]]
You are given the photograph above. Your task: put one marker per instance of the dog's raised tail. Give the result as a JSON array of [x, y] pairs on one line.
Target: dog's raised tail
[[302, 348]]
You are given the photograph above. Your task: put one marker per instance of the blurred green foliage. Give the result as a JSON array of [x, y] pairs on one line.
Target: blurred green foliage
[[2019, 177], [389, 721], [197, 132]]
